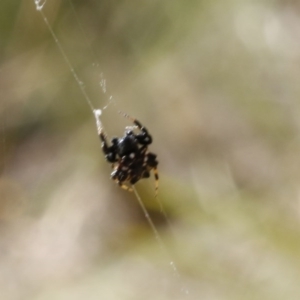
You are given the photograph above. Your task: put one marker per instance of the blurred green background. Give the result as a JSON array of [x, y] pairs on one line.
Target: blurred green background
[[217, 85]]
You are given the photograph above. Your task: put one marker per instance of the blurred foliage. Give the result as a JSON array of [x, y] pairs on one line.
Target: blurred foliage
[[217, 85]]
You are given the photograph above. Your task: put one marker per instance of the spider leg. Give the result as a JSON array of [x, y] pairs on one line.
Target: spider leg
[[151, 160], [104, 143], [109, 151], [156, 180], [143, 138], [123, 186], [151, 163]]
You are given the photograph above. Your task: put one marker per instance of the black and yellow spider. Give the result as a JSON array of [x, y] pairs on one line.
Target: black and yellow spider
[[129, 156]]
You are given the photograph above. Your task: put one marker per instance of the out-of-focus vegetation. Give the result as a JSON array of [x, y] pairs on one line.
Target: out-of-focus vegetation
[[217, 85]]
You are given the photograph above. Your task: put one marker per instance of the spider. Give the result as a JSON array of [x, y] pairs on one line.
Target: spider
[[129, 156]]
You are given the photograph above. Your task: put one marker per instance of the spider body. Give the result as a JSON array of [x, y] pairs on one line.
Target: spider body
[[129, 156]]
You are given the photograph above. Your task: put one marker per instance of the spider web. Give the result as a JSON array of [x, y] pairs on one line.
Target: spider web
[[97, 112]]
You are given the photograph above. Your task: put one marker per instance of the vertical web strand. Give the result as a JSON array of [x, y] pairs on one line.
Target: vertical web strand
[[162, 245], [97, 113], [39, 7]]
